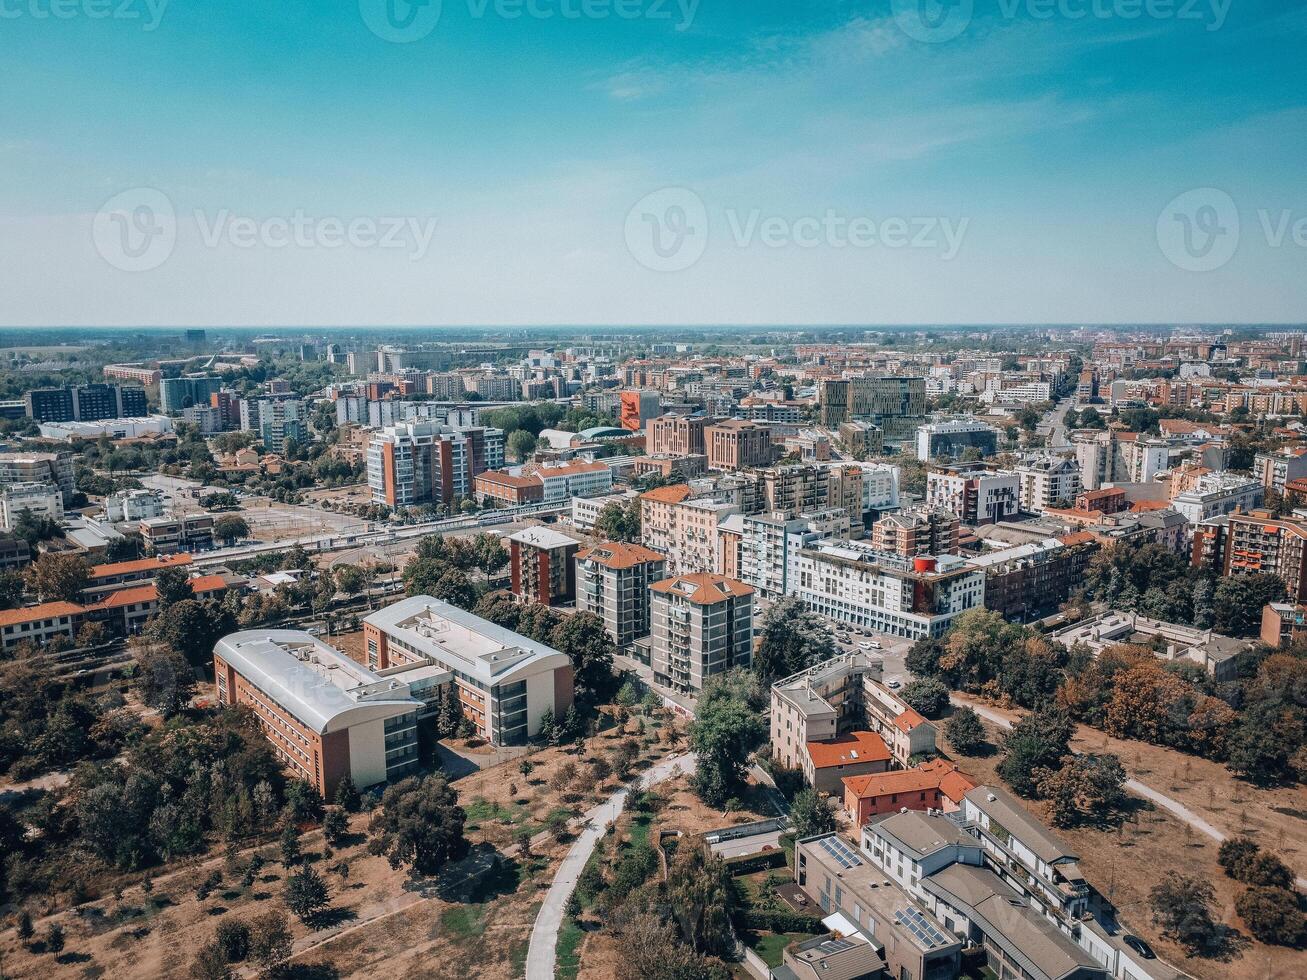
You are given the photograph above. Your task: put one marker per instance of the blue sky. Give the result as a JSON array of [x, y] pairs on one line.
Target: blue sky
[[1048, 143]]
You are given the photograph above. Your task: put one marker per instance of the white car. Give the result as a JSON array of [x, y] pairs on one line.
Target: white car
[[864, 646], [875, 644], [894, 685]]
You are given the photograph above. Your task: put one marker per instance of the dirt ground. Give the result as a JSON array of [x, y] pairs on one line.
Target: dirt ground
[[1125, 863], [1275, 817]]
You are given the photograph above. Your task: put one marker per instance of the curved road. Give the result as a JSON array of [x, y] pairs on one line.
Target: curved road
[[542, 953]]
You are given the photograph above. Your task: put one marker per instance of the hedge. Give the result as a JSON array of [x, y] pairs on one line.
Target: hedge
[[775, 920], [749, 863]]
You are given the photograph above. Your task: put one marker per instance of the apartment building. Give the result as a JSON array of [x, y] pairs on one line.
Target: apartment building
[[677, 435], [852, 582], [167, 535], [541, 561], [133, 372], [575, 479], [281, 420], [1047, 481], [862, 437], [838, 696], [416, 463], [586, 510], [56, 468], [505, 682], [738, 444], [951, 438], [1114, 456], [700, 625], [326, 716], [976, 496], [39, 500], [1214, 494], [917, 531], [684, 527], [768, 541], [1029, 581], [612, 581], [794, 489], [1274, 470], [934, 785], [132, 505], [15, 552], [1257, 542]]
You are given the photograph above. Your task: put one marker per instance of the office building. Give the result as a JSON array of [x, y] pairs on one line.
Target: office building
[[896, 404], [177, 394], [700, 625], [326, 716], [975, 496], [677, 435], [737, 444], [505, 682], [168, 535], [85, 403], [862, 438], [638, 407], [612, 581], [952, 438], [542, 567], [56, 468]]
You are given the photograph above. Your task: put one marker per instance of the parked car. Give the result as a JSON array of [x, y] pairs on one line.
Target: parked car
[[1140, 947], [864, 646]]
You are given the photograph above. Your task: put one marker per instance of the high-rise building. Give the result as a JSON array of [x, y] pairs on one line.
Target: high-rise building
[[896, 404], [281, 420], [415, 463], [177, 394], [1047, 481], [542, 567], [612, 581], [56, 468], [1255, 543], [701, 625], [1113, 456], [86, 403]]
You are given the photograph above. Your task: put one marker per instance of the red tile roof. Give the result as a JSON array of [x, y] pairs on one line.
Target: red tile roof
[[702, 588], [617, 554], [30, 614], [936, 774], [848, 749], [909, 719], [673, 494], [139, 565]]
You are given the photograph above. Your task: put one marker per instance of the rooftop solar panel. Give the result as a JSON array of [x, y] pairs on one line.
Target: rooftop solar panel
[[921, 928], [841, 852]]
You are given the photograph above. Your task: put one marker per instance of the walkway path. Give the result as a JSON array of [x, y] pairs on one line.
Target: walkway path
[[542, 953], [1172, 806]]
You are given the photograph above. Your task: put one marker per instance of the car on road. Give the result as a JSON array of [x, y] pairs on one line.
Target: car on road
[[894, 685], [1140, 947]]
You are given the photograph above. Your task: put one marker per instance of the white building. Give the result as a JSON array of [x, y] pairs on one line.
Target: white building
[[132, 505], [1111, 456], [767, 542], [56, 468], [1047, 481], [150, 425], [586, 510], [975, 496], [1218, 493], [575, 479], [40, 499], [851, 582]]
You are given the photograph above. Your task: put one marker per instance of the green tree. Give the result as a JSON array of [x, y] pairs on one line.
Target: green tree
[[1088, 787], [1182, 907], [455, 588], [291, 854], [191, 628], [420, 824], [57, 577], [810, 814], [1040, 740], [11, 589], [587, 644], [619, 521], [1239, 600], [1236, 855], [702, 899], [335, 827], [173, 585], [1273, 915], [728, 726], [965, 732], [229, 528], [306, 894], [347, 795], [271, 941], [164, 679], [793, 639], [927, 695], [521, 444], [350, 580]]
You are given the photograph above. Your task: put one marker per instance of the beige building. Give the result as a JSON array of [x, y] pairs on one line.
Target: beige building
[[701, 625], [684, 528], [676, 435], [737, 444]]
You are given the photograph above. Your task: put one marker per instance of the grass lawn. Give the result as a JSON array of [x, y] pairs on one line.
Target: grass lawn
[[464, 921], [568, 961], [771, 946]]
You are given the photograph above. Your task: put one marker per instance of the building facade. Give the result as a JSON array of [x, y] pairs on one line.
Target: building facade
[[612, 581], [700, 625]]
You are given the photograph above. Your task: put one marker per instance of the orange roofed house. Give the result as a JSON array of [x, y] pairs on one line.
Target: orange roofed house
[[934, 785], [859, 754]]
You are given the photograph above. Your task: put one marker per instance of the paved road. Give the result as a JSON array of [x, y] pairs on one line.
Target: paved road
[[542, 954]]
